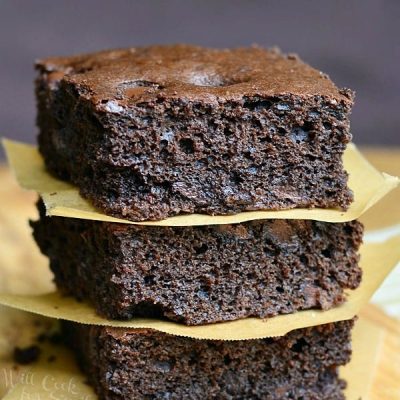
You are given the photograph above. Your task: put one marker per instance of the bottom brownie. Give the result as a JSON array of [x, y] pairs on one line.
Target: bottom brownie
[[145, 364]]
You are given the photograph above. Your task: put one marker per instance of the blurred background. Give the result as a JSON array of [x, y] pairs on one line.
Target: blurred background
[[357, 42]]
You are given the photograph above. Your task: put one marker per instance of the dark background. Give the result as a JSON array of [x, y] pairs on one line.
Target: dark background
[[357, 42]]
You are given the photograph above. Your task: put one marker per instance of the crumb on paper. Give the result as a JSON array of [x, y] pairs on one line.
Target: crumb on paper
[[26, 355]]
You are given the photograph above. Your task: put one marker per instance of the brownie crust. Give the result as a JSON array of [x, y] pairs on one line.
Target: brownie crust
[[204, 274], [147, 133], [145, 364]]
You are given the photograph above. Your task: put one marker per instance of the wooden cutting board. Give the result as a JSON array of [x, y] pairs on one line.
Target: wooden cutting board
[[386, 371]]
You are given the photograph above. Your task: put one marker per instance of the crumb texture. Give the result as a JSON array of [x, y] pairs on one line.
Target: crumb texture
[[145, 364], [198, 275], [154, 132]]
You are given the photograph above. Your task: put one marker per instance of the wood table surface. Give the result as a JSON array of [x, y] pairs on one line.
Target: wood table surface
[[17, 206]]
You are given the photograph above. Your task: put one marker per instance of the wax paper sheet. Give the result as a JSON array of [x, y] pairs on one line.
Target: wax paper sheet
[[56, 375], [63, 199], [377, 260]]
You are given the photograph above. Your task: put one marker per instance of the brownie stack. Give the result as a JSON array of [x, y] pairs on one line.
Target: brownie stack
[[150, 133]]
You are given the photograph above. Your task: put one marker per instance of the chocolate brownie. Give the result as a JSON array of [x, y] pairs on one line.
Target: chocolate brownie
[[203, 274], [145, 364], [151, 132]]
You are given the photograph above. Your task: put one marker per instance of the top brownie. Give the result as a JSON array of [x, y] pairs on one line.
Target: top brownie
[[151, 132]]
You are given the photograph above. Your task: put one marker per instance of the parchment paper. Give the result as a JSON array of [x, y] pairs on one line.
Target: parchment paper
[[61, 378], [377, 260], [63, 199], [54, 376]]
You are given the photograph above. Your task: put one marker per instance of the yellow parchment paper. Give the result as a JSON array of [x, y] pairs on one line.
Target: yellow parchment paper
[[54, 376], [377, 260], [63, 199], [61, 378]]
